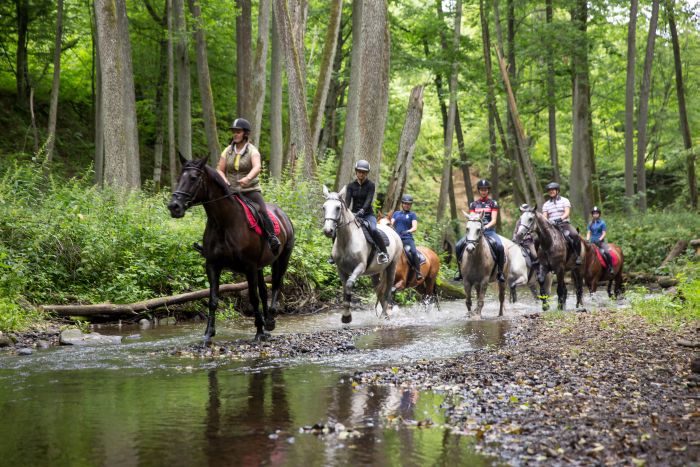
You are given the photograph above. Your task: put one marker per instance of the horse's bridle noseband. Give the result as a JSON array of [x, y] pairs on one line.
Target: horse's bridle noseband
[[337, 221], [187, 197], [472, 242]]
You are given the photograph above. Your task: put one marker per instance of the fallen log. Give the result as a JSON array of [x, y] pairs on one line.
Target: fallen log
[[118, 309], [677, 249]]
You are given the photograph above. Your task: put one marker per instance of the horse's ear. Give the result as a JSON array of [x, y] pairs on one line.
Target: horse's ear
[[202, 162], [466, 214], [534, 208], [183, 161], [380, 214], [325, 191], [341, 193]]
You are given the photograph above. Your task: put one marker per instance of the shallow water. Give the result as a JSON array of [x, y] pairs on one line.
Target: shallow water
[[134, 404]]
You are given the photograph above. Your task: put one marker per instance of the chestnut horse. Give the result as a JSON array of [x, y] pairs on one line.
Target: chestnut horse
[[229, 242], [595, 271], [429, 269]]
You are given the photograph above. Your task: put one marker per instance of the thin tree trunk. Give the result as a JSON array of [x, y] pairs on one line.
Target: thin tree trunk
[[276, 67], [244, 59], [682, 113], [300, 135], [336, 91], [407, 146], [490, 98], [644, 108], [184, 92], [33, 121], [452, 111], [99, 112], [22, 67], [551, 101], [205, 93], [260, 70], [464, 158], [629, 102], [172, 161], [55, 85], [368, 95], [326, 68]]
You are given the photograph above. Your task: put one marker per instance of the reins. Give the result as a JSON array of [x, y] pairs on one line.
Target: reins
[[338, 225]]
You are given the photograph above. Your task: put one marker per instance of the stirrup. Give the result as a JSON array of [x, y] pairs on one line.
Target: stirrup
[[419, 276], [579, 260], [330, 260], [500, 277], [382, 258]]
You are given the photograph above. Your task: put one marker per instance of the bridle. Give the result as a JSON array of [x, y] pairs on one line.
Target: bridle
[[473, 242], [187, 197], [336, 220]]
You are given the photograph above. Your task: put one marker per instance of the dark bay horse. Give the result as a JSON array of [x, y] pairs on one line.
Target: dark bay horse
[[553, 255], [429, 269], [229, 243], [595, 271]]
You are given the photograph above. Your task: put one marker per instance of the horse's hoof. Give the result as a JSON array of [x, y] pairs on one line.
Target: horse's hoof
[[346, 319], [270, 324], [262, 336]]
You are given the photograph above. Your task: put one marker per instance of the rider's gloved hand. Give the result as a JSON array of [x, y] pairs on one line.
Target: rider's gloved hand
[[360, 213]]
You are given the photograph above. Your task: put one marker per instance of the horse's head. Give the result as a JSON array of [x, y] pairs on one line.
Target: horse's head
[[189, 187], [475, 229], [528, 218], [332, 210], [383, 219]]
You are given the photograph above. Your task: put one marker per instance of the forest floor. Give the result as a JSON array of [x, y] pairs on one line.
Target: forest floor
[[584, 388]]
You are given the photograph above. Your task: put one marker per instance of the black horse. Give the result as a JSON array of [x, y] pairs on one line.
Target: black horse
[[229, 242]]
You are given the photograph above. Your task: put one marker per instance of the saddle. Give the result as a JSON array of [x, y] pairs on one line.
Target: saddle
[[493, 246], [526, 254], [601, 257], [421, 257], [368, 235], [253, 215]]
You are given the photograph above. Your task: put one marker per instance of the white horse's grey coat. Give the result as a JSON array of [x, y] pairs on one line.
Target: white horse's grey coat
[[351, 252]]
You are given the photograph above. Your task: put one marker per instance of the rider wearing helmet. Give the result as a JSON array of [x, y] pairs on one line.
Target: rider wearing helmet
[[239, 165], [526, 241], [361, 193], [405, 222], [596, 233], [557, 210], [488, 208]]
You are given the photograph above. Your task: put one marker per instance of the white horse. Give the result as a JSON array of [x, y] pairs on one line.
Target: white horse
[[478, 266], [352, 253]]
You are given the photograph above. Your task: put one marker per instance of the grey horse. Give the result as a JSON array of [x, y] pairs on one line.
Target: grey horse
[[351, 252]]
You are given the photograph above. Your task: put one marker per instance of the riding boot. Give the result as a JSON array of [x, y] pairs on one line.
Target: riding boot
[[459, 249], [608, 260], [577, 250], [270, 232], [416, 267], [382, 256], [198, 246], [499, 266]]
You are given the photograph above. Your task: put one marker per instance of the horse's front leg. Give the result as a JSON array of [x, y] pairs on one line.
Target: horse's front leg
[[544, 293], [501, 297], [561, 290], [480, 296], [252, 276], [578, 283], [468, 293], [213, 275], [347, 296], [384, 289], [262, 291]]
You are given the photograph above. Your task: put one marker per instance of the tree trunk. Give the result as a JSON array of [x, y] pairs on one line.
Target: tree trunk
[[276, 66], [629, 103], [121, 168], [325, 73], [368, 95], [184, 92], [300, 131], [99, 113], [172, 161], [205, 93], [682, 113], [551, 101], [55, 85], [490, 100], [644, 109], [464, 158], [407, 146], [336, 92], [452, 111], [22, 67], [244, 59], [33, 120], [260, 70]]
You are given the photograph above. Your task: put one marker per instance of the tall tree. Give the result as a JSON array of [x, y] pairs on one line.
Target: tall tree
[[580, 181], [260, 70], [205, 93], [407, 146], [644, 108], [551, 97], [55, 86], [368, 95], [244, 59], [290, 16], [276, 66], [452, 111], [490, 100], [682, 113], [172, 161], [121, 167], [184, 91], [98, 111], [629, 101], [22, 66]]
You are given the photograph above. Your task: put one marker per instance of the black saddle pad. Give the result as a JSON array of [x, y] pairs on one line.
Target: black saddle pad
[[493, 245], [368, 236], [526, 255], [421, 257]]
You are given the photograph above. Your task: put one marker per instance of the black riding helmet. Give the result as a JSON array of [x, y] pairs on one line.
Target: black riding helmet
[[240, 124], [596, 209], [407, 199], [552, 186], [483, 183], [362, 165]]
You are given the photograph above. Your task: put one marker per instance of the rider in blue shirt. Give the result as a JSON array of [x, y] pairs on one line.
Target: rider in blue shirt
[[405, 222], [597, 231]]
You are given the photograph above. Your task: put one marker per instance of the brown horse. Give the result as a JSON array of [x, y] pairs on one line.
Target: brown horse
[[405, 276], [595, 271], [229, 242], [553, 254]]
